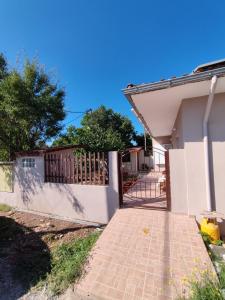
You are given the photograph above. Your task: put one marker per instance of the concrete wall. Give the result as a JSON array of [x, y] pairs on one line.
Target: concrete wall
[[188, 135], [91, 203]]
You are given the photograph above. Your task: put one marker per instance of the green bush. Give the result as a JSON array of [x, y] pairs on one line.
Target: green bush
[[4, 207], [219, 242], [207, 287], [206, 238], [221, 275]]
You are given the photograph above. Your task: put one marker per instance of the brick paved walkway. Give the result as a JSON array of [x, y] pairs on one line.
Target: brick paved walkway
[[143, 254]]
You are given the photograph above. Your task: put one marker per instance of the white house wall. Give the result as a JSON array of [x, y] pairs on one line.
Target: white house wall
[[158, 153], [190, 141], [144, 160]]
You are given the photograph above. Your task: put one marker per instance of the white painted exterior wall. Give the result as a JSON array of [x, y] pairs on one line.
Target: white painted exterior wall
[[132, 165], [147, 160], [137, 159], [92, 203], [188, 187]]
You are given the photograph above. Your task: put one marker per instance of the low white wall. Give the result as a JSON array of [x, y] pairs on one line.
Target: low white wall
[[91, 203]]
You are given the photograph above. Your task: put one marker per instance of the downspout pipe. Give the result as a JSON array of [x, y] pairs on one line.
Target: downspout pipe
[[206, 141]]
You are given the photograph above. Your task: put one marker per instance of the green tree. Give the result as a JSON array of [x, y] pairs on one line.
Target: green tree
[[67, 138], [3, 66], [102, 130], [140, 140], [31, 108]]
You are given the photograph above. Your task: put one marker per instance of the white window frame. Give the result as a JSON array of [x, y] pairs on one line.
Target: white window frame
[[28, 162]]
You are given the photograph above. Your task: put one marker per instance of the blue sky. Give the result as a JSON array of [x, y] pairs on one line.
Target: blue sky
[[97, 47]]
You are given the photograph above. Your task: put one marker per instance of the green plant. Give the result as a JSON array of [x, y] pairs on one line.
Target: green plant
[[219, 242], [206, 290], [5, 207], [206, 238], [67, 263], [204, 286], [221, 275]]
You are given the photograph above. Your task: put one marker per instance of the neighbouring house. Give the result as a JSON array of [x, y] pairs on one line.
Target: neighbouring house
[[186, 115], [137, 159]]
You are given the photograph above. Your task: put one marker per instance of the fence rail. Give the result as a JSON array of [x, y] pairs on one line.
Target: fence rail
[[68, 167]]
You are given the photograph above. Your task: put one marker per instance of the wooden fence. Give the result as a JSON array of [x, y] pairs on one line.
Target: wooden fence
[[65, 166]]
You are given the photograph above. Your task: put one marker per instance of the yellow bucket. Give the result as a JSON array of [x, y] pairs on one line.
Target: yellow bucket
[[210, 227]]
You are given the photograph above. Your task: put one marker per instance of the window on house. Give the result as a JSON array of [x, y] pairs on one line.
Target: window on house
[[28, 162]]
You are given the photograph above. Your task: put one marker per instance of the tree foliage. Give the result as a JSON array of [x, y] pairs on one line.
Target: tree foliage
[[101, 130], [31, 108], [140, 140]]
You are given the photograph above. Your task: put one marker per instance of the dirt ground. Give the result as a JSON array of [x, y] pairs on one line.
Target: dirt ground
[[26, 241], [52, 231]]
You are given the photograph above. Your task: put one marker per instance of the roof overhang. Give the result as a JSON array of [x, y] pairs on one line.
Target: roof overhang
[[134, 149], [41, 152], [157, 104]]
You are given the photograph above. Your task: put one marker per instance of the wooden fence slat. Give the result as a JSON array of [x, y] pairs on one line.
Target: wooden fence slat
[[57, 167], [103, 168], [72, 167], [85, 167], [52, 167], [94, 168], [69, 167], [76, 168], [65, 168], [98, 160], [89, 155], [81, 169]]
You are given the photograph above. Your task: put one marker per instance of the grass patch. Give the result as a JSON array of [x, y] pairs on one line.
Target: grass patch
[[67, 263], [207, 287], [5, 207]]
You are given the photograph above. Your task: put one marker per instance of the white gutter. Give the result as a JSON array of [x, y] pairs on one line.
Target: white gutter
[[163, 84], [206, 141]]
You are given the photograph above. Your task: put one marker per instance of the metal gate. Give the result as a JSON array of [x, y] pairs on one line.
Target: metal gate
[[144, 178]]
